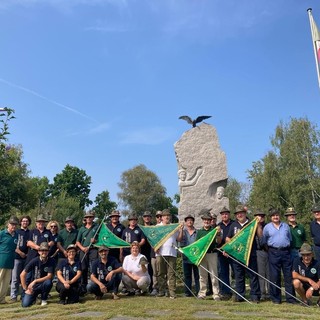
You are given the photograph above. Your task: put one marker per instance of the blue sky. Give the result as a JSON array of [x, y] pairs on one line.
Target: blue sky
[[100, 84]]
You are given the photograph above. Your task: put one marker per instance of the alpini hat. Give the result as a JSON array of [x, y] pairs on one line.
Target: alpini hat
[[147, 214], [71, 246], [290, 211], [240, 208], [115, 213], [316, 208], [89, 213], [68, 219], [166, 212], [41, 218], [224, 209], [103, 248], [259, 212], [13, 220], [189, 216], [44, 246], [132, 216], [305, 249]]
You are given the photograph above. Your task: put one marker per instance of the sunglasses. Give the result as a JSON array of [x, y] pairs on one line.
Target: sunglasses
[[53, 226]]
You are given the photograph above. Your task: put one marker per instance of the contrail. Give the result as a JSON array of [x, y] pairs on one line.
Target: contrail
[[47, 99]]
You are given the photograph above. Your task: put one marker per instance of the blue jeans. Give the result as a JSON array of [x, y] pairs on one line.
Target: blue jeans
[[15, 277], [42, 288], [111, 286], [188, 268]]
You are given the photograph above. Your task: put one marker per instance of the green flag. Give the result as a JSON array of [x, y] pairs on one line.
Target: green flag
[[158, 235], [241, 243], [107, 238], [196, 250]]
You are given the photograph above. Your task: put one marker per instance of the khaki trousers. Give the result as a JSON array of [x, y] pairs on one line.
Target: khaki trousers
[[5, 277]]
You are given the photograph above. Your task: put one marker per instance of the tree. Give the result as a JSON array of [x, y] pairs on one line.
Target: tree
[[103, 204], [289, 175], [6, 114], [233, 192], [142, 190], [76, 184]]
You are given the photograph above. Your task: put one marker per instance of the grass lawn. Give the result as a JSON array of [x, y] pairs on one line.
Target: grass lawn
[[129, 308]]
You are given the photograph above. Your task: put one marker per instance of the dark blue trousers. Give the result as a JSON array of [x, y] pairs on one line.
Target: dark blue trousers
[[224, 264], [188, 268], [240, 277], [280, 260]]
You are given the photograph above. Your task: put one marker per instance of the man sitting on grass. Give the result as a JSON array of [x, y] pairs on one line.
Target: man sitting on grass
[[306, 275]]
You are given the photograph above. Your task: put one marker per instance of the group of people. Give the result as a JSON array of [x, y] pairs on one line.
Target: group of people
[[80, 267]]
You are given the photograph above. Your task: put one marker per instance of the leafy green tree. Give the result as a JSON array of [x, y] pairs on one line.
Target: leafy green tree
[[289, 174], [75, 183], [233, 192], [103, 204], [142, 190], [6, 114]]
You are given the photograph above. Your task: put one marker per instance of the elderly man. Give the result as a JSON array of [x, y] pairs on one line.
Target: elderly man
[[130, 234], [239, 270], [210, 260], [224, 263], [37, 236], [117, 229], [20, 256], [315, 230], [66, 237], [42, 270], [298, 233], [306, 275], [189, 236], [277, 237], [103, 278], [8, 245], [167, 259]]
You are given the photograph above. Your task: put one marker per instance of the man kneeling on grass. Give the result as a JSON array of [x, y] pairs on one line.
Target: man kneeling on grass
[[40, 270], [306, 275], [105, 276]]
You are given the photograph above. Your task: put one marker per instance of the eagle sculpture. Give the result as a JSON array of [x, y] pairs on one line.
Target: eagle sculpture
[[194, 122]]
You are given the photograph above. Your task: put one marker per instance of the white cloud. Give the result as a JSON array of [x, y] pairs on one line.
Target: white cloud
[[148, 136]]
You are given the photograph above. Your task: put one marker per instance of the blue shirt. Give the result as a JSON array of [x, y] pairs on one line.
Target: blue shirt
[[188, 239], [315, 232], [23, 237], [40, 269], [101, 270], [69, 271], [277, 238]]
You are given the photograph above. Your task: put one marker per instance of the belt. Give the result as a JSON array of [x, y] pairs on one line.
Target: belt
[[280, 249]]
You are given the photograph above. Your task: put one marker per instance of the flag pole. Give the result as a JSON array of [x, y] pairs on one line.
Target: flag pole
[[258, 274], [104, 218], [216, 278], [314, 35]]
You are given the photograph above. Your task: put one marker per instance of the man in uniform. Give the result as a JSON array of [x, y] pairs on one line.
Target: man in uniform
[[298, 233], [315, 230], [210, 259], [20, 256], [130, 234], [67, 236], [224, 263], [117, 229], [103, 278], [239, 270], [306, 275], [42, 270], [88, 254], [8, 245]]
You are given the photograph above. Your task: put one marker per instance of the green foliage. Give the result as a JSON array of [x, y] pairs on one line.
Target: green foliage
[[142, 190], [233, 192], [103, 204], [75, 183], [6, 114], [62, 206], [289, 175]]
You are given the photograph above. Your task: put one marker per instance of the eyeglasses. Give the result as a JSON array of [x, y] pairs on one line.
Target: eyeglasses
[[53, 226]]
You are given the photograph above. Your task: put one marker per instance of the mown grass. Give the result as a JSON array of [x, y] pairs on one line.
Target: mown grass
[[158, 308]]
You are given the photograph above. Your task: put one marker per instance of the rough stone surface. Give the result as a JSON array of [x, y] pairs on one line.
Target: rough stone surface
[[202, 168]]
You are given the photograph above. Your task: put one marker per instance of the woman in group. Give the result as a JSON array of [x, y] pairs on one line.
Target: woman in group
[[69, 273], [136, 278], [53, 227]]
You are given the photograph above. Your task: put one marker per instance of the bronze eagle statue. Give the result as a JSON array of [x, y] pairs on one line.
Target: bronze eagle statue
[[194, 122]]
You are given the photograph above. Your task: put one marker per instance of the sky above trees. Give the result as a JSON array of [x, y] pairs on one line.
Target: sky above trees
[[100, 84]]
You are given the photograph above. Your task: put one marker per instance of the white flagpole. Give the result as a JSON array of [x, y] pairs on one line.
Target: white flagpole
[[315, 37]]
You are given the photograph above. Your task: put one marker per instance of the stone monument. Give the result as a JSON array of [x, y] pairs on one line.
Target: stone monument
[[202, 172]]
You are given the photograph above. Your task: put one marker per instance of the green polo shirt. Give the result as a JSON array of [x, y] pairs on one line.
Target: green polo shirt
[[8, 245], [85, 235], [66, 237], [298, 235]]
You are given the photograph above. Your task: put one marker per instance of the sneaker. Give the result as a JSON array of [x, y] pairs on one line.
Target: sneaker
[[160, 294], [318, 303], [216, 298], [137, 292], [154, 292], [44, 303], [201, 297], [115, 297], [13, 300], [167, 294], [172, 297]]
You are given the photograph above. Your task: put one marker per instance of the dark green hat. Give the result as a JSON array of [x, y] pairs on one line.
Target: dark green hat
[[290, 211], [240, 208], [189, 216], [259, 213], [316, 208]]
